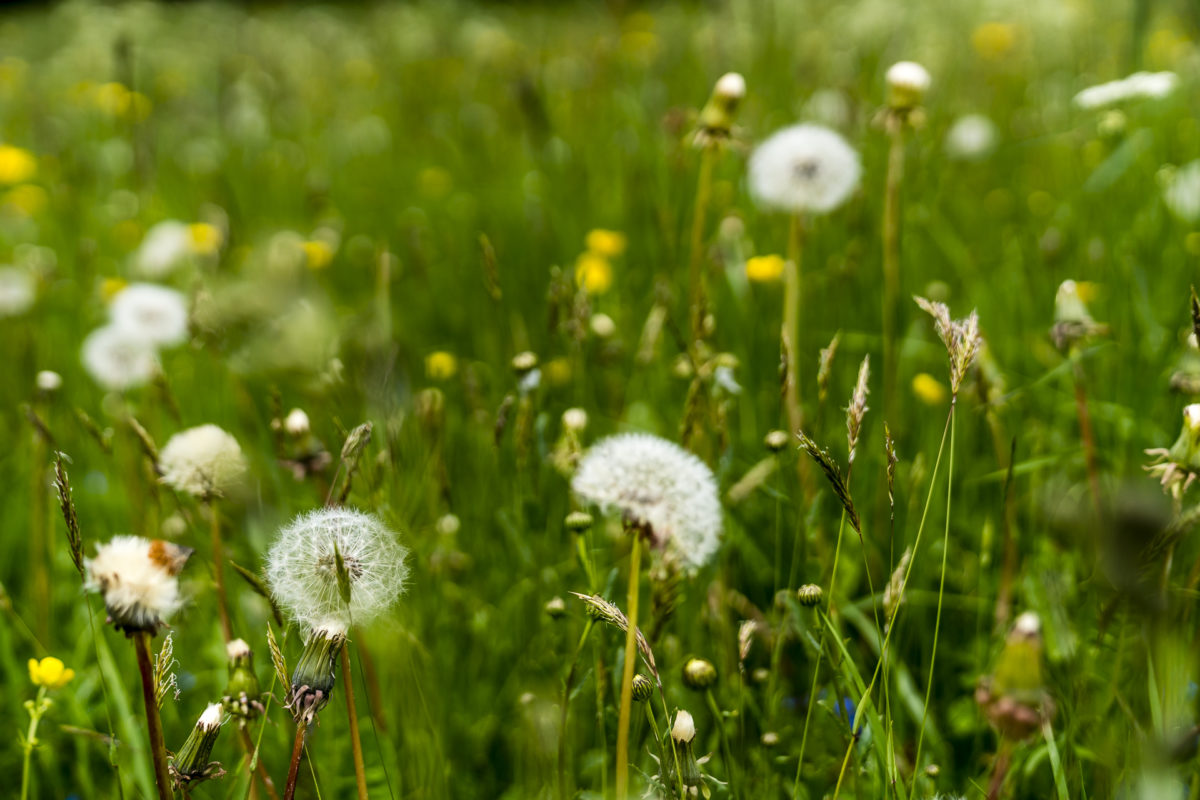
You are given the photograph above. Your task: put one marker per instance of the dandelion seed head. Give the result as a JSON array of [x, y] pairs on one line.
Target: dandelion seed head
[[48, 381], [137, 578], [204, 461], [17, 291], [153, 313], [658, 484], [804, 168], [303, 576], [118, 360], [165, 246], [971, 138]]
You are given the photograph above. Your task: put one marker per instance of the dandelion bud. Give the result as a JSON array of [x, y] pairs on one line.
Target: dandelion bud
[[776, 441], [907, 83], [555, 607], [578, 522], [523, 363], [642, 688], [48, 382], [716, 118], [191, 765], [684, 730], [574, 420], [761, 675], [1177, 467], [699, 674], [809, 595], [684, 733], [296, 423], [315, 674], [138, 579], [242, 693]]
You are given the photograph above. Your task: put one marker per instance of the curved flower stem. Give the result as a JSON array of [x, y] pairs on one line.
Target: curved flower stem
[[360, 770], [791, 328], [219, 571], [35, 716], [158, 747], [635, 557], [289, 789]]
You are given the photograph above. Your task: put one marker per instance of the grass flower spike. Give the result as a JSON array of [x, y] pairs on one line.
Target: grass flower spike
[[138, 579], [155, 314], [204, 461]]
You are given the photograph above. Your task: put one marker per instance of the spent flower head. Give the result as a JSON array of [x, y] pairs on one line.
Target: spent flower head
[[907, 83], [1177, 467], [804, 168], [156, 314], [138, 579], [204, 461]]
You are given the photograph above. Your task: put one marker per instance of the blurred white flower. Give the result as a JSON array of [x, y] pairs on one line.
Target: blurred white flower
[[48, 381], [907, 83], [151, 312], [296, 423], [17, 291], [1139, 85], [204, 461], [1181, 192], [657, 484], [303, 576], [971, 137], [118, 360], [730, 86], [804, 168], [137, 578], [165, 246]]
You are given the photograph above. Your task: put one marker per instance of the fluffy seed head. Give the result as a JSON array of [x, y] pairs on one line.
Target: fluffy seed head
[[804, 168], [971, 137], [656, 484], [204, 461], [154, 313], [118, 360], [907, 83], [164, 248], [137, 578], [1138, 86], [48, 381], [302, 568], [17, 291]]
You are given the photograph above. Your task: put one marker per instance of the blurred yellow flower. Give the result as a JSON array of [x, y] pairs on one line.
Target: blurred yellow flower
[[440, 365], [12, 72], [994, 40], [593, 273], [49, 672], [929, 390], [764, 268], [17, 165], [1088, 291], [110, 287], [27, 199], [204, 239], [317, 254], [608, 244], [116, 100], [557, 371]]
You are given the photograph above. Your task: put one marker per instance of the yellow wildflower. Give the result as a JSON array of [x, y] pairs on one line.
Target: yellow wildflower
[[17, 165], [594, 273], [49, 672], [929, 390], [440, 365], [112, 98], [317, 254], [111, 287], [764, 268], [204, 239], [994, 40], [28, 199], [607, 244]]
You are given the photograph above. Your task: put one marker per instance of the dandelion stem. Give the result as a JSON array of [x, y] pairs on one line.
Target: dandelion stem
[[791, 328], [891, 262], [158, 748], [566, 700], [696, 262], [1085, 433], [622, 780], [360, 771], [219, 571], [289, 789]]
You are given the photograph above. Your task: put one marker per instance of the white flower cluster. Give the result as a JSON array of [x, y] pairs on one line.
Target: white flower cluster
[[658, 484], [1138, 86], [804, 168], [142, 318], [137, 578], [303, 575], [204, 461]]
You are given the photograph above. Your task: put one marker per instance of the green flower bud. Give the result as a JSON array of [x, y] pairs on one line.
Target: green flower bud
[[578, 521], [191, 765], [809, 595], [642, 688], [699, 674]]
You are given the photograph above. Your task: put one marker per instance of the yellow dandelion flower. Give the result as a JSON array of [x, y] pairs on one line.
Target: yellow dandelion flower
[[1088, 291], [112, 99], [204, 239], [608, 244], [317, 254], [111, 287], [440, 365], [27, 199], [764, 268], [594, 273], [50, 672], [994, 40], [17, 165], [929, 390]]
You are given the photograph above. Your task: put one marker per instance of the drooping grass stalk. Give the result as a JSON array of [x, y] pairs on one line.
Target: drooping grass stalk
[[566, 700], [35, 716], [360, 771], [697, 289], [622, 779], [891, 262], [158, 748], [941, 590], [289, 788], [219, 570]]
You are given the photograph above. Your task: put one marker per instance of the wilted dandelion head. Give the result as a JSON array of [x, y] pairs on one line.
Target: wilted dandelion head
[[137, 578], [302, 568], [17, 291], [204, 461], [1178, 466], [154, 313], [117, 359], [658, 485], [804, 168]]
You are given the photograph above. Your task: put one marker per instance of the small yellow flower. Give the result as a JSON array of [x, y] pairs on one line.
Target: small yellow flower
[[594, 273], [440, 365], [17, 165], [764, 268], [110, 287], [49, 672], [607, 244], [27, 199], [994, 40], [317, 254], [929, 390], [204, 239]]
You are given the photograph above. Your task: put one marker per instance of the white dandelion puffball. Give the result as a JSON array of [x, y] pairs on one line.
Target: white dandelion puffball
[[658, 484], [971, 137], [48, 381], [204, 461], [303, 576], [165, 247], [804, 168], [138, 580], [730, 86], [118, 360], [1182, 193], [155, 313], [17, 291], [1138, 86], [909, 76]]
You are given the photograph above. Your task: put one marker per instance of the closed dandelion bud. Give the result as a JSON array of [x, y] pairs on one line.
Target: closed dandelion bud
[[809, 595], [770, 739], [242, 693], [907, 83], [683, 733], [556, 608], [574, 420], [699, 674], [1014, 696], [315, 674], [761, 675], [190, 765], [642, 688], [578, 522], [776, 441], [1177, 467], [716, 118], [296, 423]]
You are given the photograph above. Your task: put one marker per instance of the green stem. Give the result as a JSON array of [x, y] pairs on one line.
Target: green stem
[[891, 262], [35, 716], [360, 771], [696, 261], [566, 700], [790, 335], [219, 571], [719, 719], [622, 781]]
